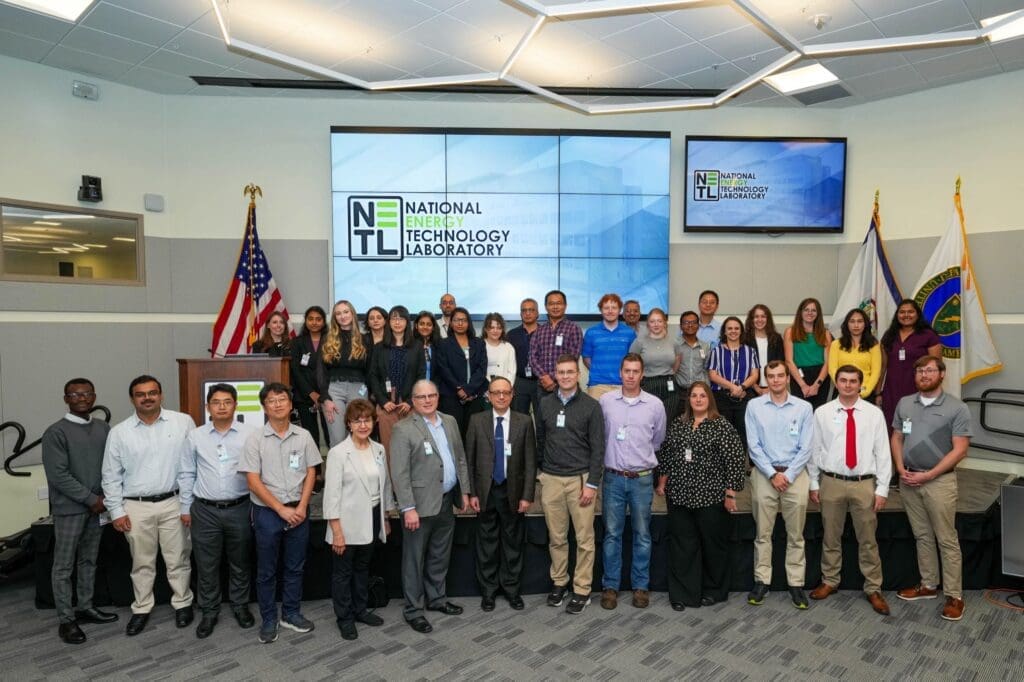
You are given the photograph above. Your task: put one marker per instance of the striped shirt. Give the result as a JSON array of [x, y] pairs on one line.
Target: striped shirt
[[733, 365]]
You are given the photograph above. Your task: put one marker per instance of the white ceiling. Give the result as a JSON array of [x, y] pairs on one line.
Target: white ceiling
[[157, 45]]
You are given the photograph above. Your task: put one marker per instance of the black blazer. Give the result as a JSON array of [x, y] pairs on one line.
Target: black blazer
[[520, 468], [309, 378], [451, 367], [377, 375]]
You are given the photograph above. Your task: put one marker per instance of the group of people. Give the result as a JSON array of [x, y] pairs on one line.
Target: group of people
[[425, 419]]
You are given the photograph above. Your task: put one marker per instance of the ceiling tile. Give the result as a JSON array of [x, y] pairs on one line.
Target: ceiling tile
[[207, 24], [127, 24], [874, 9], [609, 24], [501, 19], [1009, 51], [440, 5], [682, 60], [83, 62], [419, 47], [23, 47], [740, 43], [106, 45], [796, 17], [974, 59], [949, 79], [930, 18], [884, 81], [757, 93], [387, 17], [177, 12], [756, 62], [703, 22], [157, 81], [180, 65], [261, 69], [449, 66], [865, 31], [33, 25], [863, 64], [369, 69], [201, 46], [411, 56], [648, 38], [562, 55], [720, 78], [924, 54], [630, 75]]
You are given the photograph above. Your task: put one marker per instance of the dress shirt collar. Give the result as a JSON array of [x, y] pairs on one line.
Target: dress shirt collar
[[858, 406], [787, 401], [268, 430], [210, 428], [436, 423], [495, 415], [642, 397], [567, 398], [159, 418], [75, 419]]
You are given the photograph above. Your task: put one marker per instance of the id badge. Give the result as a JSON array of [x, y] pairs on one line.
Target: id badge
[[836, 419], [104, 518], [387, 385], [671, 387], [703, 355], [560, 420], [305, 360], [800, 371], [902, 355], [294, 461], [222, 452], [508, 449], [906, 427], [558, 341], [793, 430], [688, 455], [528, 372], [428, 449], [621, 433], [362, 390]]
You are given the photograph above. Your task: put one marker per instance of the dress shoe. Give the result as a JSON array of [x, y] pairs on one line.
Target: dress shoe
[[487, 603], [421, 624], [70, 633], [95, 616], [205, 627], [917, 592], [707, 601], [183, 617], [609, 598], [641, 599], [878, 603], [136, 624], [243, 616], [348, 629], [371, 619], [678, 606], [823, 591], [953, 609], [448, 609], [516, 602]]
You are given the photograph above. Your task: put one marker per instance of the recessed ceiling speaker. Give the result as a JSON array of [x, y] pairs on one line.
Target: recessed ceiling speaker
[[91, 189], [85, 90], [153, 202]]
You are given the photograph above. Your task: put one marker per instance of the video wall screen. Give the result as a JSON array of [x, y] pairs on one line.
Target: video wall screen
[[754, 184], [495, 216]]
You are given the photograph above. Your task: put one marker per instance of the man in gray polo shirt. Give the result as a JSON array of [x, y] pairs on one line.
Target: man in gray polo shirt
[[931, 434], [280, 463]]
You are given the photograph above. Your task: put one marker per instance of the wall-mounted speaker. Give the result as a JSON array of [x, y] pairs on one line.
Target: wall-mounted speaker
[[153, 202], [91, 189]]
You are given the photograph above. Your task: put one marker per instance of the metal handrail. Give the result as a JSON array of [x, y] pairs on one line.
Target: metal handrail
[[20, 440], [985, 401]]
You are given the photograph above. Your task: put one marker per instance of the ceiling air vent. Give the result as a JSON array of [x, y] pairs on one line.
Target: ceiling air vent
[[819, 95]]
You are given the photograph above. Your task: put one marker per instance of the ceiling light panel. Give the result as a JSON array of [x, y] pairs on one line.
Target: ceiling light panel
[[68, 10], [1013, 29], [799, 80]]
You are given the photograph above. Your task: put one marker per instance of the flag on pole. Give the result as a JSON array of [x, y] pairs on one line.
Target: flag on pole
[[948, 294], [252, 295], [871, 286]]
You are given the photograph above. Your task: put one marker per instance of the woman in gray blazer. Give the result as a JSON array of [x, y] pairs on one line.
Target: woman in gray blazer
[[357, 494]]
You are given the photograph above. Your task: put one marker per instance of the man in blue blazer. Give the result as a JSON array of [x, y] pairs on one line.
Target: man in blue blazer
[[430, 478]]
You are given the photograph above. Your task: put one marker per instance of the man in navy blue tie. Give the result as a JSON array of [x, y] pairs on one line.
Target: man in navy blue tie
[[501, 455]]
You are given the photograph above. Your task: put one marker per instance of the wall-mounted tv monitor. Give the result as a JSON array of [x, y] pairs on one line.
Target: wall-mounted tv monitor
[[495, 216], [764, 184]]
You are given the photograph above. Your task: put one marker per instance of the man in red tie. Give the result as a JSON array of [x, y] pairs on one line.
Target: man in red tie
[[849, 470]]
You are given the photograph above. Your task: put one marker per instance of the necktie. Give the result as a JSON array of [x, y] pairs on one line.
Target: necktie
[[499, 452], [851, 440]]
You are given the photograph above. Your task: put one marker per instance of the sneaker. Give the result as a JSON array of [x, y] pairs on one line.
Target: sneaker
[[641, 599], [954, 609], [557, 596], [799, 597], [917, 592], [609, 598], [756, 596], [577, 602], [298, 623], [268, 632]]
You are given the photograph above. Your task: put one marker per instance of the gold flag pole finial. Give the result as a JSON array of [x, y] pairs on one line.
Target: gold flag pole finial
[[252, 190], [958, 184], [876, 197]]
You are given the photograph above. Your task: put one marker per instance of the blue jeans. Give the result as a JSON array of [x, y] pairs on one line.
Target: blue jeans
[[272, 540], [636, 493]]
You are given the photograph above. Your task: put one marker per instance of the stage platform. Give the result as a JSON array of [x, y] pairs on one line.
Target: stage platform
[[978, 523]]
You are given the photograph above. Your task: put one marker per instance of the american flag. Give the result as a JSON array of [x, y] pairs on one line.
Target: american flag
[[252, 297]]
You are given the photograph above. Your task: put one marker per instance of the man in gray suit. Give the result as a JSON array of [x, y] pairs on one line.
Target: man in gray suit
[[429, 477], [501, 447]]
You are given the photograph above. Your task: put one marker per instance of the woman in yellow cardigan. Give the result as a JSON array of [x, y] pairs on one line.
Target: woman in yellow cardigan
[[857, 346]]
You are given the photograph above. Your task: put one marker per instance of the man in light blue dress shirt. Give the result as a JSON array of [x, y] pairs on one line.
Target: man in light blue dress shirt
[[780, 428], [215, 505], [140, 487]]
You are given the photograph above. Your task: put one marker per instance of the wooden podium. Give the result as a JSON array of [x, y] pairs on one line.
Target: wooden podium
[[194, 373]]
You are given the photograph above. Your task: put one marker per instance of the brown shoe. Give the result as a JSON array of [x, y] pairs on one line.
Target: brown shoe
[[954, 609], [641, 599], [609, 598], [878, 603], [917, 592], [822, 591]]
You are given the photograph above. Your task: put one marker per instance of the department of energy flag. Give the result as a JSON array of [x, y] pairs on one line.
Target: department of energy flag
[[948, 294], [252, 297], [871, 286]]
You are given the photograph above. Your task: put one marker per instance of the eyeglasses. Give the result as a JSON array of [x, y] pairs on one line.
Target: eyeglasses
[[221, 403], [280, 400], [79, 395], [527, 310], [689, 323], [566, 372], [926, 370], [362, 421], [500, 394], [147, 394], [425, 396]]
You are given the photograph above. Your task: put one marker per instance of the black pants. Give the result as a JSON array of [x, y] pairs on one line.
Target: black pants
[[734, 411], [350, 577], [451, 405], [311, 421], [217, 533], [698, 553], [526, 395], [810, 376], [500, 537], [658, 386]]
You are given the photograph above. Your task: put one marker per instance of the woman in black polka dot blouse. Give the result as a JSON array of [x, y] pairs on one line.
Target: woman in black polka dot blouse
[[700, 467]]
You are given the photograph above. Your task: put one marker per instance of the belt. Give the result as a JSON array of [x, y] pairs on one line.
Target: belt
[[865, 477], [923, 471], [223, 504], [292, 504], [629, 474], [153, 498]]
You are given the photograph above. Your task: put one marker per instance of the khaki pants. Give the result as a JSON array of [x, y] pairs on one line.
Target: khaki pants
[[931, 509], [598, 390], [385, 423], [767, 502], [857, 497], [560, 496], [158, 525]]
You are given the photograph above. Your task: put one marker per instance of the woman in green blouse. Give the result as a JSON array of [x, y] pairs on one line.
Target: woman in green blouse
[[806, 346]]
